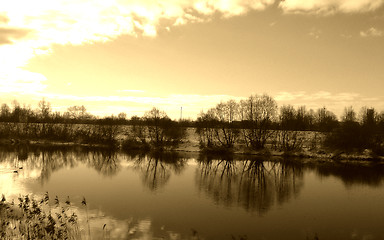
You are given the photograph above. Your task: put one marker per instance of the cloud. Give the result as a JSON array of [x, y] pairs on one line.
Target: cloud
[[21, 81], [3, 19], [315, 33], [288, 96], [317, 96], [130, 91], [372, 32], [85, 21], [230, 8], [31, 28], [8, 35], [329, 6]]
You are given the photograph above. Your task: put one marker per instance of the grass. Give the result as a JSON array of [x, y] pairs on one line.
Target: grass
[[32, 218]]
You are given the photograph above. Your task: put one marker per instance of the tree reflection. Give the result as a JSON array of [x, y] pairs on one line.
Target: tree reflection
[[42, 162], [105, 162], [254, 184], [371, 174], [254, 188], [156, 168], [51, 161]]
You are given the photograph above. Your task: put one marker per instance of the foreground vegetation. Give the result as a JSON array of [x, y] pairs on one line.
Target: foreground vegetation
[[36, 219], [252, 124]]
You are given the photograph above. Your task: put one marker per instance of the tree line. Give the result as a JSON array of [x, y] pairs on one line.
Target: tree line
[[255, 123], [258, 121]]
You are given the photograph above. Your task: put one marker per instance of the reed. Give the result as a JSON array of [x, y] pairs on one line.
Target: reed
[[32, 218]]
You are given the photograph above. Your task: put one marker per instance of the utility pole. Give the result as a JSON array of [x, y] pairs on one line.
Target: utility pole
[[181, 113]]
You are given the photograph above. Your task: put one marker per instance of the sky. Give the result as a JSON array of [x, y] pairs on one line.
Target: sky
[[131, 55]]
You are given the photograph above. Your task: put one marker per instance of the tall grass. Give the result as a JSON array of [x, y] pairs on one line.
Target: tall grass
[[35, 219]]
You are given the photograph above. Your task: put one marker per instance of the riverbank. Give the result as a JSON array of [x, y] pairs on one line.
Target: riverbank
[[191, 145]]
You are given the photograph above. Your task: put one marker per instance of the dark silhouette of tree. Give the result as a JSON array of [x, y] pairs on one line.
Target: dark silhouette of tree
[[205, 128], [289, 136], [257, 114], [216, 128], [156, 122], [155, 130], [353, 136], [77, 113], [349, 115], [325, 120], [5, 112], [44, 110]]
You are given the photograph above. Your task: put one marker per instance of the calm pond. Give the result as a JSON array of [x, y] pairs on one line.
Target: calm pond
[[190, 196]]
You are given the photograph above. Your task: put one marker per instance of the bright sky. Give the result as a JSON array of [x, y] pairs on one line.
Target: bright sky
[[130, 55]]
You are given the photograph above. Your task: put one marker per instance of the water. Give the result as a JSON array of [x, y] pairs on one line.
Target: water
[[187, 196]]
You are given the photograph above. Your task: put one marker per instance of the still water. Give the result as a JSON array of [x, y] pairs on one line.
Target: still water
[[190, 196]]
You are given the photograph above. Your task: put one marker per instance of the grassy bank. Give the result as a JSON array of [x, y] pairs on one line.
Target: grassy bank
[[170, 136]]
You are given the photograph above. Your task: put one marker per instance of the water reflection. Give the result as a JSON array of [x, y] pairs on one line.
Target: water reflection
[[353, 174], [41, 162], [239, 184], [156, 168], [254, 184], [106, 163], [218, 175]]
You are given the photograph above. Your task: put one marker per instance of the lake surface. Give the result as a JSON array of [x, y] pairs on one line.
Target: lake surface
[[190, 196]]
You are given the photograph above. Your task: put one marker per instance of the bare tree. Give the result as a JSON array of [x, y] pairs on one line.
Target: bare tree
[[216, 127], [325, 120], [44, 109], [205, 128], [226, 133], [76, 112], [5, 111], [349, 115], [257, 114], [289, 136], [122, 116], [155, 119], [161, 130]]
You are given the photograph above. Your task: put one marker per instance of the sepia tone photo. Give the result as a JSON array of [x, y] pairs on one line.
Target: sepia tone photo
[[192, 119]]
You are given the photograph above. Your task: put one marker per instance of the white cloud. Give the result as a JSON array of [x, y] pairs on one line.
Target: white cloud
[[372, 32], [21, 81], [30, 28], [288, 96], [317, 96], [315, 33], [130, 91], [84, 21], [329, 6]]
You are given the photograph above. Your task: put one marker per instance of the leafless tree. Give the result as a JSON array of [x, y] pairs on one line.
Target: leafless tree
[[216, 127], [289, 136], [76, 112], [257, 114], [44, 110], [349, 115]]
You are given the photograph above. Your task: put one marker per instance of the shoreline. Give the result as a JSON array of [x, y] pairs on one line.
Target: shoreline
[[191, 147]]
